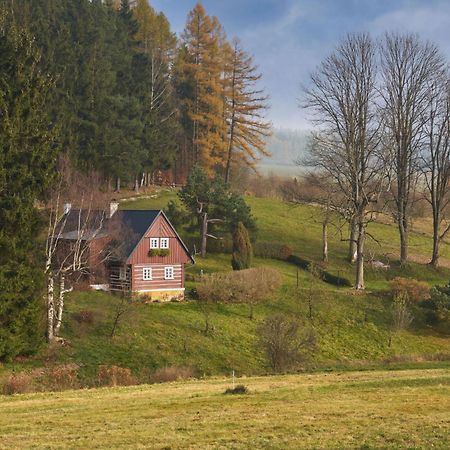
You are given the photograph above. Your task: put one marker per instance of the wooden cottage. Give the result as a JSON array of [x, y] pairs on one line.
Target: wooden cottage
[[139, 250]]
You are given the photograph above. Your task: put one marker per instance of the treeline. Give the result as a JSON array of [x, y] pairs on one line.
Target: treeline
[[130, 98], [113, 90], [382, 140]]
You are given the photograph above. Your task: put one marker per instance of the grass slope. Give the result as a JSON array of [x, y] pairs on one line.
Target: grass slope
[[407, 409], [352, 329]]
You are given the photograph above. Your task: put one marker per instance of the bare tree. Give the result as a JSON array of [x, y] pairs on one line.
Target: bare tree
[[69, 236], [408, 68], [435, 158], [343, 99]]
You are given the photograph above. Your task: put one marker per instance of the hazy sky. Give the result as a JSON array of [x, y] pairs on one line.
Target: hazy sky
[[288, 38]]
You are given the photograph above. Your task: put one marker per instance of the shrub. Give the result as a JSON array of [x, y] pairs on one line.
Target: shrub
[[273, 250], [115, 376], [172, 373], [414, 290], [85, 316], [17, 383], [280, 338], [240, 389], [242, 248], [60, 378], [439, 304]]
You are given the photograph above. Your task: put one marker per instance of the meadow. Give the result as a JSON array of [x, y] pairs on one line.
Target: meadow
[[360, 410]]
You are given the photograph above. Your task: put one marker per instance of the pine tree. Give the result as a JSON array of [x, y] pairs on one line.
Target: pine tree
[[242, 248], [27, 156]]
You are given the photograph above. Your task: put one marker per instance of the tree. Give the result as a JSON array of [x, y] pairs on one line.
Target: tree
[[28, 147], [242, 248], [212, 202], [435, 158], [202, 65], [244, 110], [343, 98], [409, 67]]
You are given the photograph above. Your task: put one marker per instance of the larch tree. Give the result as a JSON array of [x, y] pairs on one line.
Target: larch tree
[[245, 105], [202, 41], [409, 66], [342, 97], [435, 158]]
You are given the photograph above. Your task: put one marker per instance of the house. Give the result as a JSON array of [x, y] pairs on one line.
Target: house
[[137, 251]]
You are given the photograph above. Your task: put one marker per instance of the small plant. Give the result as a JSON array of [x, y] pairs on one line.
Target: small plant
[[115, 376], [164, 252], [153, 252], [85, 316], [159, 252], [172, 373], [240, 389]]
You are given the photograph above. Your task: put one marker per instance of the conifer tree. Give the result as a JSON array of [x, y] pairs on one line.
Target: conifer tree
[[245, 104], [202, 38], [27, 154], [242, 248]]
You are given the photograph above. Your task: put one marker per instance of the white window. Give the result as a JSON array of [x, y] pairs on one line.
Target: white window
[[154, 243], [168, 273], [147, 273], [122, 273], [164, 242]]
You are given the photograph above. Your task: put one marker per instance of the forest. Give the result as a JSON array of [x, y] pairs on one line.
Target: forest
[[111, 91]]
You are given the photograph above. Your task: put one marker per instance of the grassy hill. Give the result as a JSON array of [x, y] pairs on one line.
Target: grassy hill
[[353, 329], [407, 409]]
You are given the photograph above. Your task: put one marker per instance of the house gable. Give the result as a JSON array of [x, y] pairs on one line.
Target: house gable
[[160, 228]]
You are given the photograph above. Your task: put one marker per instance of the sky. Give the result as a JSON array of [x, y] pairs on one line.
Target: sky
[[289, 38]]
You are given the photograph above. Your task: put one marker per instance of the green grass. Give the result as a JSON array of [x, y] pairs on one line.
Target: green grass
[[354, 410], [353, 329]]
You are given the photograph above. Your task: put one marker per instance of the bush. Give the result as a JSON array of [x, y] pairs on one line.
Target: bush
[[241, 286], [318, 272], [240, 389], [85, 316], [438, 304], [172, 373], [60, 378], [115, 376], [17, 383], [242, 248], [273, 250], [282, 344], [414, 290]]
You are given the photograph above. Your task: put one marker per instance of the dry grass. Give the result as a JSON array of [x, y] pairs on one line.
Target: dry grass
[[396, 409]]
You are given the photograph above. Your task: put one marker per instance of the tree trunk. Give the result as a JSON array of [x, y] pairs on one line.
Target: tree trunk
[[359, 284], [50, 307], [204, 233], [352, 247], [136, 184], [325, 241], [404, 234], [436, 241], [59, 310], [118, 184]]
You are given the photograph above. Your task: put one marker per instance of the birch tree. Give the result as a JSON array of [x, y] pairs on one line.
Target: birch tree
[[342, 98], [408, 68]]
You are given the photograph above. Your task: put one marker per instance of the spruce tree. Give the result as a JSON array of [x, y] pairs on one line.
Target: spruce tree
[[27, 156]]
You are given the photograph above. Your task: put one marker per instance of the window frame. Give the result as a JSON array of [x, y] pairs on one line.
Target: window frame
[[152, 241], [165, 240], [147, 270], [172, 271]]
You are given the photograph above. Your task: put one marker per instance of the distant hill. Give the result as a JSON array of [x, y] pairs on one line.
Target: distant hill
[[286, 146]]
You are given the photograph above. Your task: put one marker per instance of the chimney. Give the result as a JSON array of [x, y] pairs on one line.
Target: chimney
[[67, 207], [113, 207]]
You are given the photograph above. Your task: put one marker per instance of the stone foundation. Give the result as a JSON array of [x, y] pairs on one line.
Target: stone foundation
[[175, 295]]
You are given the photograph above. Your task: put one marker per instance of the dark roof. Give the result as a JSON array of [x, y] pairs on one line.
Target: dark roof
[[136, 223], [130, 225]]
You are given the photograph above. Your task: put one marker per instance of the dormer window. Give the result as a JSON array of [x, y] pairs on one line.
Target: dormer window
[[164, 243], [154, 243]]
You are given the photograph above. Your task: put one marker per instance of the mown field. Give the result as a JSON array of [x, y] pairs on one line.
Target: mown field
[[361, 410]]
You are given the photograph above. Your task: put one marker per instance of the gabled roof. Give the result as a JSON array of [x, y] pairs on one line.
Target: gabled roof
[[130, 225]]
